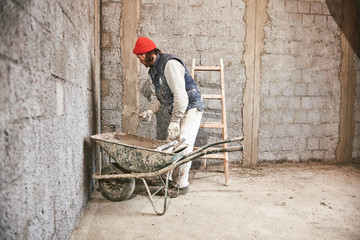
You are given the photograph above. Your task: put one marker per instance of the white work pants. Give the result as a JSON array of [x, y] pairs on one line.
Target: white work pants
[[189, 127]]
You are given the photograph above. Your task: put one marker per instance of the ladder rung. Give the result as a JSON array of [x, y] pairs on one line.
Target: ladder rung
[[212, 96], [207, 68], [212, 125]]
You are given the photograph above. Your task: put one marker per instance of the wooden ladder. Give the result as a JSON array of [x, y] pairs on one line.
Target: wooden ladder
[[219, 125]]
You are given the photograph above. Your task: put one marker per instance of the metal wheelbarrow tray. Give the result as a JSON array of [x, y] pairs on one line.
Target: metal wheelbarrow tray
[[137, 158]]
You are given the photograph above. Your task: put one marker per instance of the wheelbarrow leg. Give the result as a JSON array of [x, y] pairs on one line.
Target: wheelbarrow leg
[[150, 196]]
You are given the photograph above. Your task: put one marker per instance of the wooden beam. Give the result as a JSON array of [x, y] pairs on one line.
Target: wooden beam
[[348, 83], [255, 18]]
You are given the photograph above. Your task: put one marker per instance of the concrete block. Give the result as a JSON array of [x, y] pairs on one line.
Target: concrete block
[[270, 144], [320, 21], [294, 19], [269, 103], [275, 89], [327, 37], [280, 130], [325, 10], [291, 6], [110, 17], [289, 144], [318, 155], [294, 103], [296, 48], [293, 130], [301, 89], [267, 130], [291, 156], [280, 62], [331, 129], [314, 116], [277, 6], [303, 7], [307, 102], [111, 65], [311, 130], [307, 20], [300, 117], [329, 156], [329, 117], [302, 62], [105, 39], [288, 117], [264, 116], [171, 13], [282, 103], [277, 46], [274, 117], [268, 156], [327, 143], [305, 156], [315, 7], [313, 144], [288, 90]]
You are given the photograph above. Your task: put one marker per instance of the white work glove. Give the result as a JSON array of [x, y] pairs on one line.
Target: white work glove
[[173, 130], [146, 115]]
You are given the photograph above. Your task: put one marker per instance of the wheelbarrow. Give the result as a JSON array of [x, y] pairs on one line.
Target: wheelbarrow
[[142, 158]]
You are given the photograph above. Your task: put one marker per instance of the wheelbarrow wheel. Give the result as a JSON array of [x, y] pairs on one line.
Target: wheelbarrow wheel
[[115, 189]]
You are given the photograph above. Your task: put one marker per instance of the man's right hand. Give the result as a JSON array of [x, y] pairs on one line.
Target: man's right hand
[[146, 115]]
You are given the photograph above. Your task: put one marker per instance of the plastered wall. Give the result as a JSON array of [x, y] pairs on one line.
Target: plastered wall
[[46, 116]]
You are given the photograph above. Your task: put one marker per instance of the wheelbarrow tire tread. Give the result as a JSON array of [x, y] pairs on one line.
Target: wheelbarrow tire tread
[[115, 189]]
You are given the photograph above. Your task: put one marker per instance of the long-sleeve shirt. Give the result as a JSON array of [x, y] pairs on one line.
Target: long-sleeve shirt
[[174, 73]]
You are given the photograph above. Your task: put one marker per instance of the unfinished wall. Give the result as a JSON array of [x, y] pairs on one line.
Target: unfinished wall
[[300, 92], [46, 57], [111, 70], [205, 31], [297, 48]]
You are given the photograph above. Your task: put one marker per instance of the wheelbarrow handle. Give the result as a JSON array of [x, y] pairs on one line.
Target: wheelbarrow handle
[[235, 139]]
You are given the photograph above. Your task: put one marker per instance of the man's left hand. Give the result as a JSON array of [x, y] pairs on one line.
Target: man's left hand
[[173, 130]]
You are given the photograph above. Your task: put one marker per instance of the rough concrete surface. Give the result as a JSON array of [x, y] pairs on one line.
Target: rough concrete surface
[[46, 116], [272, 201]]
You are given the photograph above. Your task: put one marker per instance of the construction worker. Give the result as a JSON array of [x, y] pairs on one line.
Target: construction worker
[[175, 88]]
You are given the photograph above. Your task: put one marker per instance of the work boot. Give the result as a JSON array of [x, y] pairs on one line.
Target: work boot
[[174, 192]]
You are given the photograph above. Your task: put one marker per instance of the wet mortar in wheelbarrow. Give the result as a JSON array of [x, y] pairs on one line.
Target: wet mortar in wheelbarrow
[[136, 157]]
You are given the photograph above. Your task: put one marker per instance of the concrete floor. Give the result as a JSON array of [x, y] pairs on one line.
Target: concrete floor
[[272, 201]]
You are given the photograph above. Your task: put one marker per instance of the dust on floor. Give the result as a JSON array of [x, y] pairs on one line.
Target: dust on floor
[[271, 201]]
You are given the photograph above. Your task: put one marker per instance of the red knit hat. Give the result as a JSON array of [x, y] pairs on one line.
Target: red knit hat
[[143, 45]]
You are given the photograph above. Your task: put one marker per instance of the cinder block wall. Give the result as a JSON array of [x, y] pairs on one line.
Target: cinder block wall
[[46, 58], [299, 71], [111, 70], [205, 31], [300, 90]]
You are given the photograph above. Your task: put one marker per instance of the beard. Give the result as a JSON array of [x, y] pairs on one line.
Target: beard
[[149, 60]]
